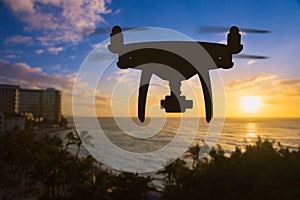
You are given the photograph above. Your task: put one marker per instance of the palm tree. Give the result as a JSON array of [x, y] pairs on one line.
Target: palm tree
[[86, 138], [130, 186], [70, 139], [172, 171], [193, 153], [78, 143]]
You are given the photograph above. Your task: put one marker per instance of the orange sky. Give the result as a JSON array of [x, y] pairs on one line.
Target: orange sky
[[279, 97]]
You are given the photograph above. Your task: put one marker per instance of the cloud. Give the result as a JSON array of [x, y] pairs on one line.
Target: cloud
[[59, 21], [57, 67], [250, 62], [252, 81], [125, 76], [55, 50], [291, 82], [117, 11], [122, 72], [86, 97], [271, 87], [12, 56], [33, 77], [39, 51], [100, 45], [24, 6], [290, 87], [18, 39], [101, 99]]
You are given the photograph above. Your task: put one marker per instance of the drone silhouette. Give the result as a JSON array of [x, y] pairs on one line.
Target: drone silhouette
[[138, 55]]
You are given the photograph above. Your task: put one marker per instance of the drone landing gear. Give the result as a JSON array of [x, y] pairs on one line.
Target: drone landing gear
[[176, 103]]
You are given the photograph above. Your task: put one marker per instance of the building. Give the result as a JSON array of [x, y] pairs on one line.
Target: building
[[51, 104], [1, 122], [9, 99], [31, 102], [40, 103]]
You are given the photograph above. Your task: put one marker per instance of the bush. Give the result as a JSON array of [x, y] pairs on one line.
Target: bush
[[263, 171]]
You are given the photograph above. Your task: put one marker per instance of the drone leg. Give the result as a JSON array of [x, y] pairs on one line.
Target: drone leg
[[207, 93], [143, 90]]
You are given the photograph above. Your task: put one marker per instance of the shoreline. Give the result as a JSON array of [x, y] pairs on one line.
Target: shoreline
[[51, 131]]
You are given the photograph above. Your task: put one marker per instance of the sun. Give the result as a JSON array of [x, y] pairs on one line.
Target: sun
[[251, 104]]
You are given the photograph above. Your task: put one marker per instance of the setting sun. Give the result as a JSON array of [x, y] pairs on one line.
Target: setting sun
[[251, 103]]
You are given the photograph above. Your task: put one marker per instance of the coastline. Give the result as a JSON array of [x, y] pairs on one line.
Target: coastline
[[52, 131]]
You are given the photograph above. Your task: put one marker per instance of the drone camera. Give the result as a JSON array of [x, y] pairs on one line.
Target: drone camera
[[174, 104]]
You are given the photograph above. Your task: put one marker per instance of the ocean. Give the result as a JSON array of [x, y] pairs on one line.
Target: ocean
[[236, 132]]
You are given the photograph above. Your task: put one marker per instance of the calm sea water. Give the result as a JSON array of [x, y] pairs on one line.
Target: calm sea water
[[235, 132], [239, 132]]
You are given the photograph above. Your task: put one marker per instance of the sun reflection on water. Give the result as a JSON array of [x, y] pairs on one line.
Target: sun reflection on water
[[251, 134]]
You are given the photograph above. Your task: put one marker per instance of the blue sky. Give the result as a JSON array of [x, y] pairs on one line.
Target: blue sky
[[42, 47]]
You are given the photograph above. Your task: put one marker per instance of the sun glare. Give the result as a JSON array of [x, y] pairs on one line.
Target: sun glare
[[251, 104]]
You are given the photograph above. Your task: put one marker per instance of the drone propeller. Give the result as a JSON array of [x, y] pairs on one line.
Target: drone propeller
[[222, 29], [104, 30], [247, 56]]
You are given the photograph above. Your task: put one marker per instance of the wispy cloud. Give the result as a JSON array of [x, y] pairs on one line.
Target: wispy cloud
[[57, 67], [117, 11], [62, 24], [250, 62], [12, 56], [39, 51], [250, 82], [18, 39], [271, 87], [100, 45], [33, 77], [55, 50]]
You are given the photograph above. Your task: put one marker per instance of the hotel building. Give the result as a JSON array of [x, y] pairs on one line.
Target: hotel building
[[40, 103], [9, 99]]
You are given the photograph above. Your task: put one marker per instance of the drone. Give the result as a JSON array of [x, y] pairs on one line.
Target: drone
[[141, 55]]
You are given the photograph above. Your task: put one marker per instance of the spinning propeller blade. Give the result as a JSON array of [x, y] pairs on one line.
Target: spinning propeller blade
[[247, 56], [105, 30], [222, 29]]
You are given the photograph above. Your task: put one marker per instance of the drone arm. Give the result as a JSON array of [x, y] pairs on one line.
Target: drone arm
[[207, 93], [143, 90]]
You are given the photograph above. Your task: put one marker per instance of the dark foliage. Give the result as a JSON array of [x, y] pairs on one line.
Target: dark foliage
[[262, 171], [44, 169]]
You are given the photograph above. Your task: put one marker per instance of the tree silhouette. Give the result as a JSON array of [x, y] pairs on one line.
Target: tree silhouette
[[193, 152], [42, 168], [260, 171], [172, 170]]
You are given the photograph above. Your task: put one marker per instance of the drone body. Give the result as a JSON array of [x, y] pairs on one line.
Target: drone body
[[139, 55]]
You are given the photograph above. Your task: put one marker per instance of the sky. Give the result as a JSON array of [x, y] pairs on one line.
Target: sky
[[42, 46]]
